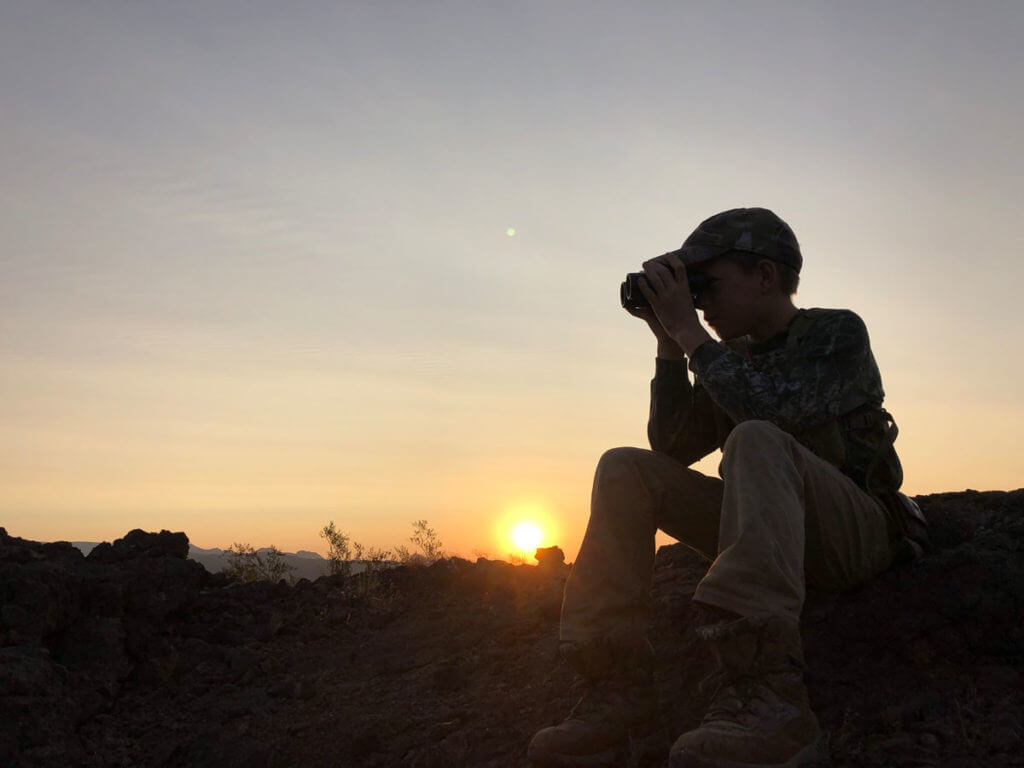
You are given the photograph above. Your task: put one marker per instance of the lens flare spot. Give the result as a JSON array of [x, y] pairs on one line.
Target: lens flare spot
[[526, 537], [511, 232]]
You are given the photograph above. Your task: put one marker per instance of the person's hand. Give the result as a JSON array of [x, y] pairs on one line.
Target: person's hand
[[667, 290], [646, 313], [668, 349]]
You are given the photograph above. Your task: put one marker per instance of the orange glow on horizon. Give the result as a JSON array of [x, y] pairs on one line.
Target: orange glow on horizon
[[523, 527]]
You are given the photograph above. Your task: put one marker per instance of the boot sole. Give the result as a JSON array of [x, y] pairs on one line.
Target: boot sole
[[812, 753], [654, 745]]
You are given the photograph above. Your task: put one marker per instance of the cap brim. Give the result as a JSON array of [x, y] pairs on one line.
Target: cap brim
[[698, 254]]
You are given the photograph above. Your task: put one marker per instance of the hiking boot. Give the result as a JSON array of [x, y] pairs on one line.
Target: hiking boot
[[615, 719], [759, 716]]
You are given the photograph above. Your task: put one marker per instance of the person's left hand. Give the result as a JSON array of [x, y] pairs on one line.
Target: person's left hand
[[668, 292]]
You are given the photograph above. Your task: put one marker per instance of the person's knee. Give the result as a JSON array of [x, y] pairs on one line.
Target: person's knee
[[755, 432], [619, 471], [618, 460]]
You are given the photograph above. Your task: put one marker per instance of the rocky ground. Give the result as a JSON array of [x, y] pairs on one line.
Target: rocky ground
[[136, 656]]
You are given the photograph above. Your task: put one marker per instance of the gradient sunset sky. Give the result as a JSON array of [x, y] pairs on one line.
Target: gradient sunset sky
[[265, 265]]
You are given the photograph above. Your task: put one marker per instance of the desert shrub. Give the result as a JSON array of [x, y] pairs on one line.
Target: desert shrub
[[339, 553], [428, 547], [370, 584], [373, 559], [343, 553], [248, 564]]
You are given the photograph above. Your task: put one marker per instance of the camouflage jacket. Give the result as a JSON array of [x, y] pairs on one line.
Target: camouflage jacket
[[817, 379]]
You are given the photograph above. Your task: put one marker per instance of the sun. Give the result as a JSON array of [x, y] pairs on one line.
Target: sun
[[524, 525], [527, 536]]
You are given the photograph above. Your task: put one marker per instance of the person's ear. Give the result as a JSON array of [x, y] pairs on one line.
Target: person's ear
[[768, 275]]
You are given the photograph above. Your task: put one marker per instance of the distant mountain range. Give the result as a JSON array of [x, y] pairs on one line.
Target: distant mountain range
[[307, 565]]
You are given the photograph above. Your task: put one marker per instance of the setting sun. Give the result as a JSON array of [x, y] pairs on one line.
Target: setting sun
[[526, 537], [524, 525]]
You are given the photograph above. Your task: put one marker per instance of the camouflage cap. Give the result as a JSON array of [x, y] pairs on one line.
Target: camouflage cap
[[754, 230]]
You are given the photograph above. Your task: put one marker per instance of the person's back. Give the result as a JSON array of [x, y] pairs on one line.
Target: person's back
[[808, 493]]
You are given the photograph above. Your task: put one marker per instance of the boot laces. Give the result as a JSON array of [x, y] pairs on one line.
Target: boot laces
[[734, 693]]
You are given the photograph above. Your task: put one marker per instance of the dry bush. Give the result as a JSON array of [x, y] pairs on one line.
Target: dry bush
[[248, 564]]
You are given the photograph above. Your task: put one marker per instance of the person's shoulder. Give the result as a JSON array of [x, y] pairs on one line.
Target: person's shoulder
[[833, 318], [821, 313], [832, 329]]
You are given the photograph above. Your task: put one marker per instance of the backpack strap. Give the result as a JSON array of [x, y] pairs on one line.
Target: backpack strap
[[891, 431]]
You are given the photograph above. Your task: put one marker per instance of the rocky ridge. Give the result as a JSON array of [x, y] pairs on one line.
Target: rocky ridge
[[137, 656]]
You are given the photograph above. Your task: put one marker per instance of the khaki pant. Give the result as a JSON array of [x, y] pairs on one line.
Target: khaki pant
[[778, 516]]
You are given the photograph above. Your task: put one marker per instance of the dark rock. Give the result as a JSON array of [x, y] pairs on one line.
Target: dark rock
[[93, 641], [550, 557], [17, 550], [450, 676], [242, 660], [929, 741], [1003, 739], [1008, 720], [139, 544], [28, 671], [364, 744]]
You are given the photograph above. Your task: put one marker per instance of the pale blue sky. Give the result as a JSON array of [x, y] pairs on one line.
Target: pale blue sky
[[255, 273]]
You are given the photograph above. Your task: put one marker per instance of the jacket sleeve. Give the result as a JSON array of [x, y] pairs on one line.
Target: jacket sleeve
[[682, 420], [796, 387]]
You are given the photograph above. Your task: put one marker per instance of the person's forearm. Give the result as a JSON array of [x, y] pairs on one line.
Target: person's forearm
[[681, 422], [691, 337], [668, 349]]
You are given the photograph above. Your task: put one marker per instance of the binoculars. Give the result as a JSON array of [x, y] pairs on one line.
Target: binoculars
[[632, 298]]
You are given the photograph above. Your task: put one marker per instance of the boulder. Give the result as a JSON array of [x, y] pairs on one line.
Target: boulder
[[140, 544]]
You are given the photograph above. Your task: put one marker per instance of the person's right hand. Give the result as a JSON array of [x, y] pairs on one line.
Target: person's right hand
[[668, 348], [646, 313]]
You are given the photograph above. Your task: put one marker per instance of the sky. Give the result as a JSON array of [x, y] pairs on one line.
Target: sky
[[267, 265]]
